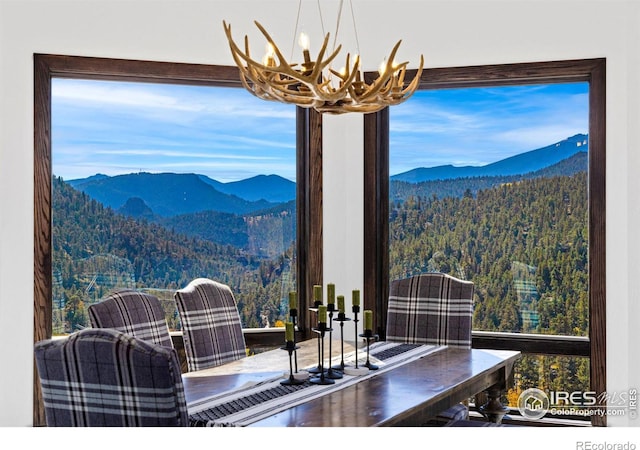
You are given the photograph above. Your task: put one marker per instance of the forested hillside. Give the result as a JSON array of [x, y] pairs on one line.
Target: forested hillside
[[95, 249], [266, 233], [522, 240], [524, 245]]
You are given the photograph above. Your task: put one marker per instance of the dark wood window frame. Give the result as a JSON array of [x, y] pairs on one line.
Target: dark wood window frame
[[308, 175], [376, 192]]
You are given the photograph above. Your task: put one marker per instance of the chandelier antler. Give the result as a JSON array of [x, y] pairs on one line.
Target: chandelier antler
[[314, 84]]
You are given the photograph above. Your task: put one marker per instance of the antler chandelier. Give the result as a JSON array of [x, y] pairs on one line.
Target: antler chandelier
[[315, 84]]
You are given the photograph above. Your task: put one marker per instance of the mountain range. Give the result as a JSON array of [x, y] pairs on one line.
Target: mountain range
[[522, 163], [272, 188], [171, 194], [163, 195]]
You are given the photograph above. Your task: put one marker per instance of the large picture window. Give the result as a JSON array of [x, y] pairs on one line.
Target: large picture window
[[489, 185], [294, 225], [179, 182], [526, 228]]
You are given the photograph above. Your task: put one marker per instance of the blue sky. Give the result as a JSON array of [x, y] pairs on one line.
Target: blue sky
[[227, 134], [115, 127], [478, 126]]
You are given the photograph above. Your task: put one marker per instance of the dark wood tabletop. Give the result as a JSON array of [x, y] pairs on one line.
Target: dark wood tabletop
[[408, 395]]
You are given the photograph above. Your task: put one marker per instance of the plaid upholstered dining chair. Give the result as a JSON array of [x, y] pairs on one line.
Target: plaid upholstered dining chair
[[134, 313], [432, 308], [211, 324], [103, 377]]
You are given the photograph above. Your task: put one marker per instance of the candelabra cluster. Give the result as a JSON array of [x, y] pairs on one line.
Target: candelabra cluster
[[324, 314]]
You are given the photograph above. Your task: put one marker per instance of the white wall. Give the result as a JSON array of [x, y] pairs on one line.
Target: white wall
[[448, 33]]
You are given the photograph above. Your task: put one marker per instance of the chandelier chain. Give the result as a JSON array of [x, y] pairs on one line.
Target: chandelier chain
[[295, 31], [339, 16], [355, 30], [321, 18]]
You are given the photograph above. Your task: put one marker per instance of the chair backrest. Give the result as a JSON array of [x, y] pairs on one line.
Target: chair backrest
[[430, 308], [134, 313], [211, 325], [103, 377]]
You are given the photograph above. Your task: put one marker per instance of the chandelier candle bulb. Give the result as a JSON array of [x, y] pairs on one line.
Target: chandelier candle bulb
[[288, 331], [303, 41], [268, 59], [343, 76], [368, 320], [322, 314], [341, 303], [355, 297]]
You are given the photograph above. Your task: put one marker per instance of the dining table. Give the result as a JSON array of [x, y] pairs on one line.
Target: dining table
[[363, 384]]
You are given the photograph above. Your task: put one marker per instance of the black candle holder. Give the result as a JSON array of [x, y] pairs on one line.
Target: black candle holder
[[342, 318], [332, 372], [291, 347], [356, 310], [322, 377], [293, 315], [369, 336], [356, 370], [318, 368]]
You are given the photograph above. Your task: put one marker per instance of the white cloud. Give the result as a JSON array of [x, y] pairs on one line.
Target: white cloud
[[82, 94]]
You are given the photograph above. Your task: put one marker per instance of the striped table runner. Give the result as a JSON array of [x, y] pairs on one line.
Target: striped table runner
[[257, 401]]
